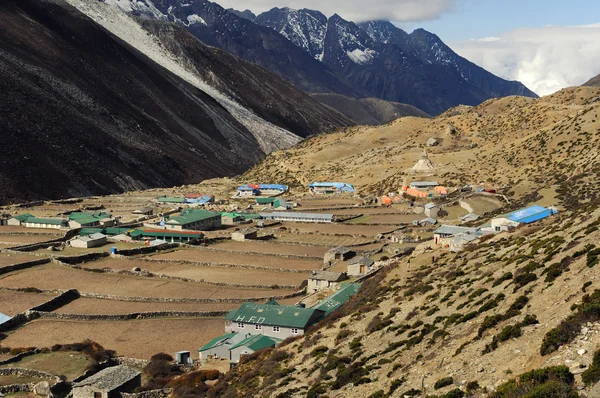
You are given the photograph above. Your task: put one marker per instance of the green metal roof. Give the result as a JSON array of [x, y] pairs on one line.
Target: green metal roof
[[191, 217], [49, 221], [166, 234], [216, 341], [265, 201], [90, 231], [232, 215], [250, 216], [116, 231], [86, 220], [256, 342], [337, 299], [272, 302], [23, 217], [274, 315], [166, 199], [76, 215]]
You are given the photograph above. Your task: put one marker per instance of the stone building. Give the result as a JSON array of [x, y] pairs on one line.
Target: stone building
[[359, 266], [108, 383], [321, 280], [245, 234], [340, 253]]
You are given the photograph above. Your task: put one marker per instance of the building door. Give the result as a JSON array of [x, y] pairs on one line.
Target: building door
[[97, 395], [362, 269]]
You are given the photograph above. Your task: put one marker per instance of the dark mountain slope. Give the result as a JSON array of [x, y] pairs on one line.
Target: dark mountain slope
[[593, 82], [369, 111], [252, 86], [82, 113], [429, 48], [247, 14], [249, 41]]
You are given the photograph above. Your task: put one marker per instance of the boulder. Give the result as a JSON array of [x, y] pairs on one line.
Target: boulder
[[42, 388]]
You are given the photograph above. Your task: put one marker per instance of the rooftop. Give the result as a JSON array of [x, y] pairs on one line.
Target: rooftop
[[528, 214], [274, 315], [23, 217], [247, 231], [217, 341], [328, 276], [362, 260], [256, 342], [337, 299], [189, 217], [50, 221], [454, 230], [94, 236], [288, 214], [110, 378], [159, 233], [339, 250], [424, 183], [4, 318]]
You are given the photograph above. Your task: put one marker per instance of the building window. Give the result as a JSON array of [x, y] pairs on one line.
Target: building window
[[294, 330], [258, 327], [97, 395], [276, 329], [318, 282], [240, 325]]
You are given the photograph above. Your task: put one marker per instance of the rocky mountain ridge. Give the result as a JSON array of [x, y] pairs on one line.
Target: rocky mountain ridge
[[109, 110], [332, 55]]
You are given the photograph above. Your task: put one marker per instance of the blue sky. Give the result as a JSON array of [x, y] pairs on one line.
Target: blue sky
[[474, 19]]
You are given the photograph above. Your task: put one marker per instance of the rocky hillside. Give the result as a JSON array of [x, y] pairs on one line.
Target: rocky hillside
[[368, 111], [515, 315], [99, 114], [515, 143], [593, 82], [332, 55]]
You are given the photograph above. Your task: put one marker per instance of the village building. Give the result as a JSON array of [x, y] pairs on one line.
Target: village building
[[194, 220], [470, 217], [400, 237], [219, 346], [231, 218], [50, 223], [459, 242], [340, 253], [279, 321], [272, 189], [233, 346], [248, 191], [18, 220], [278, 204], [359, 266], [425, 222], [428, 185], [443, 235], [330, 187], [166, 235], [337, 299], [244, 234], [322, 280], [108, 383], [432, 210], [144, 211], [79, 219], [298, 217], [86, 242], [523, 216], [250, 345], [198, 199], [432, 142]]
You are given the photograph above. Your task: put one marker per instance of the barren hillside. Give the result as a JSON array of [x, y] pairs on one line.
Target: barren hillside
[[515, 143]]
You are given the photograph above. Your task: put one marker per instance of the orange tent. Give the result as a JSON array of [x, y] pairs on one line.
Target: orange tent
[[386, 200]]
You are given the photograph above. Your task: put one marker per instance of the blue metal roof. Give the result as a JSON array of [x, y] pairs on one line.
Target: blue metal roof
[[337, 185], [529, 214], [202, 200], [4, 318], [279, 187]]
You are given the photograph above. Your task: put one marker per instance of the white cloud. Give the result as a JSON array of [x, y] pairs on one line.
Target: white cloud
[[356, 10], [545, 59]]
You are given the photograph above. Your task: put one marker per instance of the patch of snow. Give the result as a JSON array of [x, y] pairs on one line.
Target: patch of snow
[[192, 19], [362, 57], [269, 136]]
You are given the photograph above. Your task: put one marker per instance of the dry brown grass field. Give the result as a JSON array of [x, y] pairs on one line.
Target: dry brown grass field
[[239, 276], [271, 248], [115, 307], [11, 258], [12, 303], [211, 256], [51, 277], [335, 228], [136, 338]]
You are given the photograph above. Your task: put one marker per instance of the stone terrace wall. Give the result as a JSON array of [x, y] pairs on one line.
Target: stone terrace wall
[[223, 265], [16, 388], [147, 250], [22, 372], [136, 315], [21, 266], [18, 357], [149, 394], [84, 258], [279, 255]]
